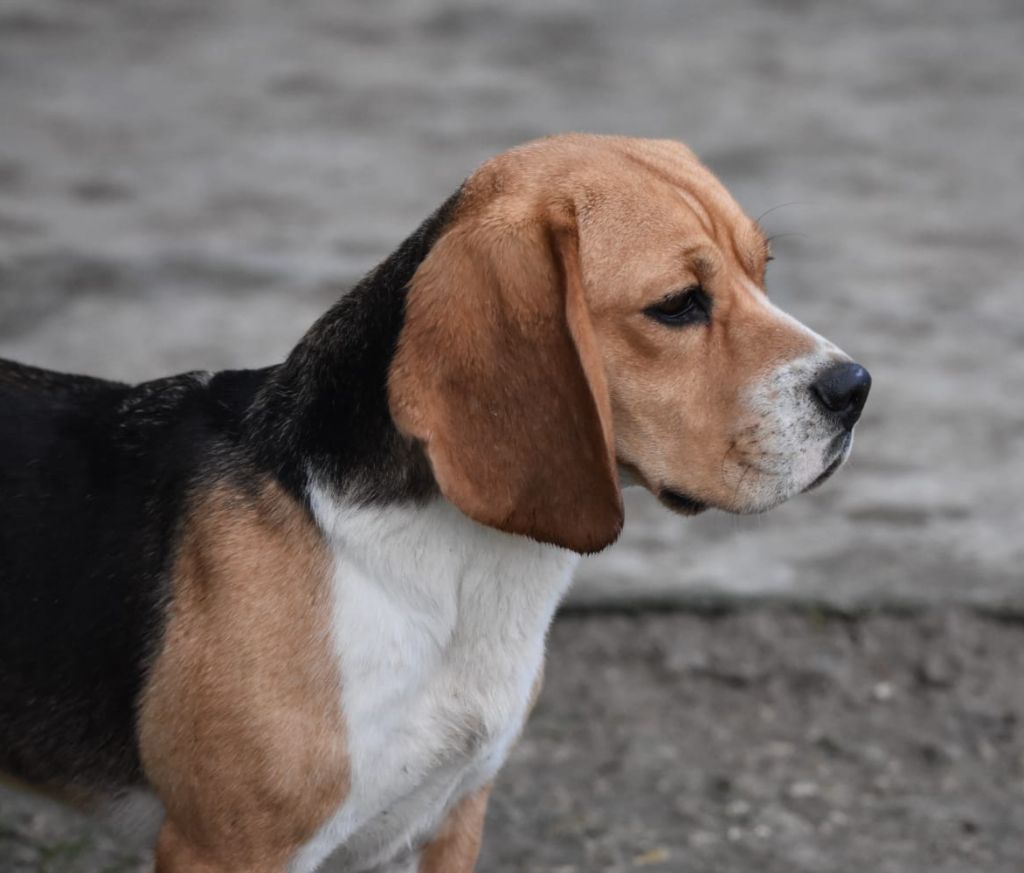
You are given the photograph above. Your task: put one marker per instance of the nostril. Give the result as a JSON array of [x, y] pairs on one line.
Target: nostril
[[843, 389]]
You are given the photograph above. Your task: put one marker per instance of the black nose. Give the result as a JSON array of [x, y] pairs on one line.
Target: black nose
[[842, 389]]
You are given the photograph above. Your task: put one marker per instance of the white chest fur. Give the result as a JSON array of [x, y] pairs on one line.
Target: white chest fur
[[438, 626]]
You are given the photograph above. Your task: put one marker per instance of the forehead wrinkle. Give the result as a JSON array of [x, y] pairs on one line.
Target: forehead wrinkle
[[687, 185], [758, 234], [723, 226], [741, 253], [738, 244], [699, 210], [725, 223], [704, 259], [755, 246]]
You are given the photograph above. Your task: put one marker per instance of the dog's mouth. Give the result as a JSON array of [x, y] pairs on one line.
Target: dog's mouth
[[681, 503], [685, 504], [843, 442]]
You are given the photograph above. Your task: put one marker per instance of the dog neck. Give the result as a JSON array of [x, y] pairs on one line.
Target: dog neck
[[323, 415]]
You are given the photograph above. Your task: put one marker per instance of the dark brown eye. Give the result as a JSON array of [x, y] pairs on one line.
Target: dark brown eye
[[689, 306]]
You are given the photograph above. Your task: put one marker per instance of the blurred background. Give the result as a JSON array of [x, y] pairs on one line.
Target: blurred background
[[835, 686]]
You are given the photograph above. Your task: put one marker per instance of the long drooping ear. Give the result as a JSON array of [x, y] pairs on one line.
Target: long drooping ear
[[498, 374]]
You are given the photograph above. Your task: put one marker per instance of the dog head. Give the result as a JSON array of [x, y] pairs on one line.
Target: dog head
[[597, 304]]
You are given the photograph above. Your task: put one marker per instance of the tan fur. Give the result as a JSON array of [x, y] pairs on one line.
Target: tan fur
[[556, 250], [456, 846], [498, 373], [240, 729]]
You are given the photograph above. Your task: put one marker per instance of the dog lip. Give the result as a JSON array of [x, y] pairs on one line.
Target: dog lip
[[835, 464], [681, 503]]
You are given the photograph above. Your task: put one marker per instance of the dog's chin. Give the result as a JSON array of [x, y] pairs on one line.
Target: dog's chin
[[845, 446], [682, 504]]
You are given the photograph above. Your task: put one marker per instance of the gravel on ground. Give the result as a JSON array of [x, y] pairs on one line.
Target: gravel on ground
[[782, 740]]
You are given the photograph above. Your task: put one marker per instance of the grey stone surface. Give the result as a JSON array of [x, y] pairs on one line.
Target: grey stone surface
[[188, 183]]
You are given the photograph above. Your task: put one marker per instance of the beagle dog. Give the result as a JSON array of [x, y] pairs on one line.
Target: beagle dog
[[305, 606]]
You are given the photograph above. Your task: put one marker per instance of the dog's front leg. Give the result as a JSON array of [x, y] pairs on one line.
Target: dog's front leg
[[176, 853], [456, 846]]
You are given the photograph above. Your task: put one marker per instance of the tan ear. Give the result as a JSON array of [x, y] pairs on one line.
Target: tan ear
[[497, 372]]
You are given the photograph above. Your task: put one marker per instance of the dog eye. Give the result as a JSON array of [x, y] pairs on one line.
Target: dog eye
[[689, 306]]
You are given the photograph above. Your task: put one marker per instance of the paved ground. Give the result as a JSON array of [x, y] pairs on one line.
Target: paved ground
[[188, 183]]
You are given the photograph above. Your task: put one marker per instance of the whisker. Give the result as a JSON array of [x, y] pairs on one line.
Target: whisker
[[776, 236], [780, 206]]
